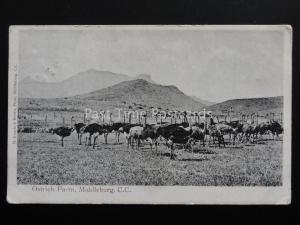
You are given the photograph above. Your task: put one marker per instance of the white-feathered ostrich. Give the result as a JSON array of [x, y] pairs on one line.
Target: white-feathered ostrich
[[62, 132]]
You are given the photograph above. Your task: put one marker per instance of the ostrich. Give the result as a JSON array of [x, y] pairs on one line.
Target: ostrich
[[79, 127], [115, 127], [93, 131], [62, 132], [174, 134]]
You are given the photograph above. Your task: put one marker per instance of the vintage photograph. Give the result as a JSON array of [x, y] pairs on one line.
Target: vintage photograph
[[98, 107]]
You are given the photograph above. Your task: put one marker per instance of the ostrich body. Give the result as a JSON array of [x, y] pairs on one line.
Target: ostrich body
[[62, 132]]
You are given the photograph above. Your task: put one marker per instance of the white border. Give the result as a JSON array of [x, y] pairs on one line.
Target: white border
[[153, 194]]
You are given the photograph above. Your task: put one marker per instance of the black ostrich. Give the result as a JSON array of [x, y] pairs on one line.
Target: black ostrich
[[62, 132], [92, 130], [115, 127], [79, 127]]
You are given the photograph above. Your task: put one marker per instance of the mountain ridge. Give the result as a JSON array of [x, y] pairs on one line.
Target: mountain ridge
[[205, 102], [140, 91], [81, 83], [262, 104]]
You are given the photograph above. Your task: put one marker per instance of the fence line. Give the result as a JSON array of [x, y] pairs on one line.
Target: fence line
[[66, 119]]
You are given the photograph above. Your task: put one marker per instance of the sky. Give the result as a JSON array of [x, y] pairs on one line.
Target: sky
[[214, 65]]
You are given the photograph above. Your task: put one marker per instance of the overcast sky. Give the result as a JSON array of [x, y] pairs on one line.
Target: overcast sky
[[210, 64]]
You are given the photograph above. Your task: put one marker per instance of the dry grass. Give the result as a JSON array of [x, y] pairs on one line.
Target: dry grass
[[41, 160]]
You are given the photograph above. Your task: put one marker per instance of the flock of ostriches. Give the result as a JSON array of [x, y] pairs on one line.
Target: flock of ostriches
[[170, 134]]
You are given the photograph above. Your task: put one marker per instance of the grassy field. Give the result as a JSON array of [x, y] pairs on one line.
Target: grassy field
[[41, 160]]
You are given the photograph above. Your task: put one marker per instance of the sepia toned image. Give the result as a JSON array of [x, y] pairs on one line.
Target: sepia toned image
[[150, 114]]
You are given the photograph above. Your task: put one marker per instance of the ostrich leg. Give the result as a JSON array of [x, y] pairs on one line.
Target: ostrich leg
[[80, 136], [95, 138]]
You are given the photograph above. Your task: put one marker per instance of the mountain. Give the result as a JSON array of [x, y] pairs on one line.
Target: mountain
[[81, 83], [204, 102], [146, 77], [142, 92], [250, 105]]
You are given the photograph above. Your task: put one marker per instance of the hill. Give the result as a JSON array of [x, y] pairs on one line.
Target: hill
[[250, 105], [204, 102], [142, 92], [81, 83]]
